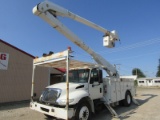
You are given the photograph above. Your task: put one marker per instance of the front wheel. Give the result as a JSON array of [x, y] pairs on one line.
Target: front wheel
[[128, 99], [48, 116], [83, 112]]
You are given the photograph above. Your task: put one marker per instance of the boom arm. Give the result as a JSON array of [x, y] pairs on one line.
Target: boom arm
[[49, 12]]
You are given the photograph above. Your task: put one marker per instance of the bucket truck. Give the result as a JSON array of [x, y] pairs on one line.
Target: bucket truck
[[88, 91]]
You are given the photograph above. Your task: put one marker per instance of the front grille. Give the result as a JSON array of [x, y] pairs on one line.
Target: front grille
[[49, 95]]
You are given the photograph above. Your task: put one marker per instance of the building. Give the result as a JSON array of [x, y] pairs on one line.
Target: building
[[45, 76], [149, 81], [16, 74], [133, 77]]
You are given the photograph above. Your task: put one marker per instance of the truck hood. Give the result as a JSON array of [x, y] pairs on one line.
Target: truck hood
[[76, 92], [72, 86]]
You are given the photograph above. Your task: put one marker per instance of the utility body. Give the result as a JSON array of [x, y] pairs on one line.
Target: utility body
[[86, 91]]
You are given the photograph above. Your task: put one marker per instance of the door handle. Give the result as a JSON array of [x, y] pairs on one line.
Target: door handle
[[100, 90]]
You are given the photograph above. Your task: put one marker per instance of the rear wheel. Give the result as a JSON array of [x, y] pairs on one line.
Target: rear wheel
[[128, 99], [83, 112]]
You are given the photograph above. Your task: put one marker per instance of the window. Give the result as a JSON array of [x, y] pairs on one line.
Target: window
[[96, 76], [141, 81], [78, 76], [157, 81]]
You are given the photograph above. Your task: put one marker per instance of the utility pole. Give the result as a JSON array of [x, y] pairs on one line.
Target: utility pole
[[118, 68], [136, 71]]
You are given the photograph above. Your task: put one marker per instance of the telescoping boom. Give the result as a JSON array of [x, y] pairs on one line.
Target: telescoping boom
[[49, 12]]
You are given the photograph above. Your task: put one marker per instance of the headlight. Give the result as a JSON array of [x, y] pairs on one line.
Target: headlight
[[50, 95], [64, 101]]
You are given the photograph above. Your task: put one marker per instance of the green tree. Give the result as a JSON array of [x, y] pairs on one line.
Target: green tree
[[138, 72], [158, 72]]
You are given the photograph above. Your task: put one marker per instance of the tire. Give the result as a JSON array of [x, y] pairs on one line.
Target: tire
[[49, 117], [128, 99], [83, 112], [121, 103]]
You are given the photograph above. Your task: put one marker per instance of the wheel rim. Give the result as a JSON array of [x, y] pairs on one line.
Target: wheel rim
[[128, 99], [84, 113]]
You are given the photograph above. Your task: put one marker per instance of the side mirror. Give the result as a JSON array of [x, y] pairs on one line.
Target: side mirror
[[34, 95]]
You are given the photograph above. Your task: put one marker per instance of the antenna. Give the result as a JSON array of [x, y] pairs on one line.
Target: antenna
[[159, 61]]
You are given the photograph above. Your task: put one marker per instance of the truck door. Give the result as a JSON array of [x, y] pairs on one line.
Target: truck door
[[96, 85]]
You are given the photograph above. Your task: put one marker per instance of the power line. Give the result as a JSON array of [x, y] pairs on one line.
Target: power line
[[136, 56], [89, 57], [140, 44]]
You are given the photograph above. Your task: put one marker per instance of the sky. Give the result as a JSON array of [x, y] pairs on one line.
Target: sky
[[137, 23]]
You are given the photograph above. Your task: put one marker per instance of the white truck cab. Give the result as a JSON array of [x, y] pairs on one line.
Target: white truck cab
[[88, 91], [82, 83]]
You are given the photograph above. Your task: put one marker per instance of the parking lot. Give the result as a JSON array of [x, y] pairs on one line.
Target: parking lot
[[149, 109]]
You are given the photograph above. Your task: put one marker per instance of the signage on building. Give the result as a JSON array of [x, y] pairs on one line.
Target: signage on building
[[4, 57]]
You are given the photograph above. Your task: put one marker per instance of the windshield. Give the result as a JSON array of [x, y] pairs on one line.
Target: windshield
[[77, 76]]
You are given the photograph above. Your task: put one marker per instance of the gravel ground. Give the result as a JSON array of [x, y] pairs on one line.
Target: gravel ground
[[149, 109]]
